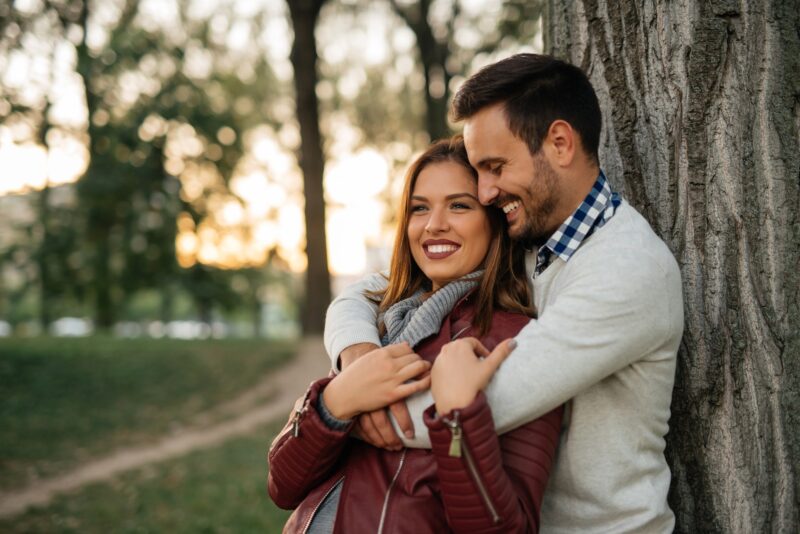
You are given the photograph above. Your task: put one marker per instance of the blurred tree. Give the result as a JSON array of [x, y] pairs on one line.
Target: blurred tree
[[50, 240], [163, 108], [443, 55], [304, 15], [434, 54], [701, 131]]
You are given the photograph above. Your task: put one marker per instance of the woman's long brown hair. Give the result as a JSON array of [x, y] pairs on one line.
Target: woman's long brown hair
[[503, 284]]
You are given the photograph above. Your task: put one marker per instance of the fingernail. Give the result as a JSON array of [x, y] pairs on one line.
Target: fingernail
[[512, 344], [409, 434]]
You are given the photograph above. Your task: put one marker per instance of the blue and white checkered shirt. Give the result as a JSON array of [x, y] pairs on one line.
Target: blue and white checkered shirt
[[596, 209]]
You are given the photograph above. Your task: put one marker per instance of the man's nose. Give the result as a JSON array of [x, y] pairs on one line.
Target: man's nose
[[487, 190]]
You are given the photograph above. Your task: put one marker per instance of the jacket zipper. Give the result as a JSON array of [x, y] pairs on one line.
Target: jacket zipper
[[389, 491], [292, 430], [322, 500], [298, 413], [458, 447]]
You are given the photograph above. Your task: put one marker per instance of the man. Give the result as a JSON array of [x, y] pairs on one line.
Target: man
[[607, 291]]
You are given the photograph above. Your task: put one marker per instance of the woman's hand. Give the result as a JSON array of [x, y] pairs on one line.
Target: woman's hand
[[375, 380], [462, 369]]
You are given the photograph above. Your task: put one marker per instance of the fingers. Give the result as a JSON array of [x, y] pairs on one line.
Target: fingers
[[381, 423], [405, 360], [477, 346], [498, 355], [400, 412], [413, 369], [415, 386], [368, 431], [398, 349]]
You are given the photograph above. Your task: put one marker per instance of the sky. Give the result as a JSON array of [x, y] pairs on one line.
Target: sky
[[357, 175]]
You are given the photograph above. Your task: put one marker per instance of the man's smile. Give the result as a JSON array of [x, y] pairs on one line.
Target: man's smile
[[511, 206]]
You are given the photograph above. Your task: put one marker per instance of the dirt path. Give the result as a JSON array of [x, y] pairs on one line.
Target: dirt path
[[283, 387]]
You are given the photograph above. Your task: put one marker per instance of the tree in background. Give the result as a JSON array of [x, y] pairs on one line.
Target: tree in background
[[444, 56], [52, 239], [701, 134], [304, 15], [164, 107]]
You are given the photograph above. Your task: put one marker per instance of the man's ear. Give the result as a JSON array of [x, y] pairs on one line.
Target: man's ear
[[562, 142]]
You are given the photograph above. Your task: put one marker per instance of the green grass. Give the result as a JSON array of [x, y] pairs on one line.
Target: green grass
[[216, 490], [65, 401]]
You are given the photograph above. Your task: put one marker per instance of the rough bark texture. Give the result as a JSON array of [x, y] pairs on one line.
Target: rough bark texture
[[701, 105], [304, 14]]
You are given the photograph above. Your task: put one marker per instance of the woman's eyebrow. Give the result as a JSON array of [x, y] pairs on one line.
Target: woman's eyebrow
[[448, 197], [458, 195]]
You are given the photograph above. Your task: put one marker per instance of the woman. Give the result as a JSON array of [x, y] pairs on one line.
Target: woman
[[453, 274]]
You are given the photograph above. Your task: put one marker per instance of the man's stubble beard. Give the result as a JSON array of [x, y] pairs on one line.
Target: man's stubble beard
[[539, 207]]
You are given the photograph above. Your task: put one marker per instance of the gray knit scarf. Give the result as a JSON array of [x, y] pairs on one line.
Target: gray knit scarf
[[413, 319]]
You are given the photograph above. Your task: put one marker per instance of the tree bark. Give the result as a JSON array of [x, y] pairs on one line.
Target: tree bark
[[304, 14], [701, 133]]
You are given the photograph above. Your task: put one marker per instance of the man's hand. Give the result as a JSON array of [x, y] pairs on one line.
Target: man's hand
[[376, 428], [462, 369], [377, 379]]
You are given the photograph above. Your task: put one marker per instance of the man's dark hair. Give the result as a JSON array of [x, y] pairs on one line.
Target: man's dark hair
[[536, 90]]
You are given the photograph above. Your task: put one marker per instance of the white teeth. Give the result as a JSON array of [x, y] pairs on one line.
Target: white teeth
[[511, 206], [439, 249]]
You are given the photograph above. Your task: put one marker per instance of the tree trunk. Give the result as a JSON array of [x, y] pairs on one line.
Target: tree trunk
[[701, 105], [433, 55], [43, 254], [304, 15], [98, 217]]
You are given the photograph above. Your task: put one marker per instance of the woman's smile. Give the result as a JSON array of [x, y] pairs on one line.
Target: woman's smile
[[437, 249]]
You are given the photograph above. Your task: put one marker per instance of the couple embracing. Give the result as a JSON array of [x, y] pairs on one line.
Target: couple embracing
[[513, 371]]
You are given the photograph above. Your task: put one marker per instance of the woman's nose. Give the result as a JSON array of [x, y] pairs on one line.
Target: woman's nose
[[437, 222]]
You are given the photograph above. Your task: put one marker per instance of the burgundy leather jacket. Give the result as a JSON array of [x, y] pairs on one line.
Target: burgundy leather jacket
[[471, 481]]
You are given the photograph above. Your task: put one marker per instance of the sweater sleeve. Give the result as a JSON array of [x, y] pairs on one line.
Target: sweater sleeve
[[496, 484], [611, 310], [305, 452], [352, 318]]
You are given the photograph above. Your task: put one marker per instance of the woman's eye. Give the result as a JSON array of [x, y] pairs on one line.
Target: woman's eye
[[460, 206], [418, 208]]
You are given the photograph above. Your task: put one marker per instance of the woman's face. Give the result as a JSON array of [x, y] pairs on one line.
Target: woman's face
[[448, 228]]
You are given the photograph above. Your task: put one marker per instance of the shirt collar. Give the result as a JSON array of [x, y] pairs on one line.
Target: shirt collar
[[593, 212]]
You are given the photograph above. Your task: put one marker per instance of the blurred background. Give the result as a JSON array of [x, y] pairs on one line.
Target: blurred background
[[184, 185]]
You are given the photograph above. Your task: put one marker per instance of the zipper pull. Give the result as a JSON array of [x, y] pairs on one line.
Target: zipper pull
[[298, 413], [455, 442], [455, 430], [296, 424]]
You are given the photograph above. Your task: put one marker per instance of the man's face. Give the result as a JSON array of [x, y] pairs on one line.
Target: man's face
[[524, 186]]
